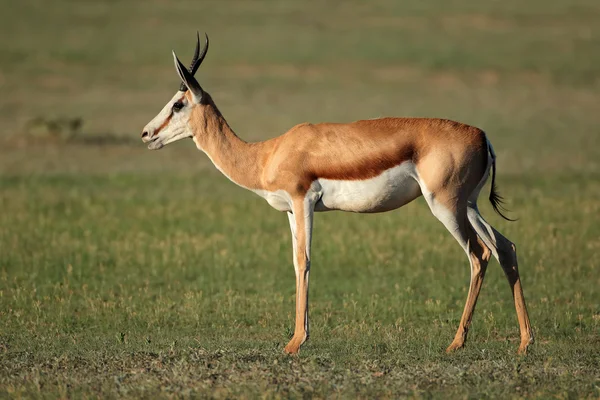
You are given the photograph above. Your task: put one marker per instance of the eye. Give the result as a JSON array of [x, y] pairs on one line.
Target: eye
[[177, 106]]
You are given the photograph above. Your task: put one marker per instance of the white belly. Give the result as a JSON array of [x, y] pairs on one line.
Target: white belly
[[279, 200], [392, 189]]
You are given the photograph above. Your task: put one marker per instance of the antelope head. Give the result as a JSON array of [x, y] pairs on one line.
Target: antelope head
[[172, 122]]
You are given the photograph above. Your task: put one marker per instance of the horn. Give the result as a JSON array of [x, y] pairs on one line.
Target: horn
[[197, 59]]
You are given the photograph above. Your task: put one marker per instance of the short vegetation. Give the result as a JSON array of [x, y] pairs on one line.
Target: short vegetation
[[130, 273]]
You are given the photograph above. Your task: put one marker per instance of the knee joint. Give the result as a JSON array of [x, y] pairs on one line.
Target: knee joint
[[480, 250], [487, 253]]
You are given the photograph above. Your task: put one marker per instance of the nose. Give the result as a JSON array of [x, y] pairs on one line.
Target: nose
[[146, 135]]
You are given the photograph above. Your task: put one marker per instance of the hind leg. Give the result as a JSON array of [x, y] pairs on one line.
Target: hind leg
[[479, 255], [506, 253], [454, 217]]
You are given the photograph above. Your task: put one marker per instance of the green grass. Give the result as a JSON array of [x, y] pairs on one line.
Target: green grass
[[131, 273]]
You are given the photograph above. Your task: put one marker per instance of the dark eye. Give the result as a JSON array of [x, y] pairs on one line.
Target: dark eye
[[177, 106]]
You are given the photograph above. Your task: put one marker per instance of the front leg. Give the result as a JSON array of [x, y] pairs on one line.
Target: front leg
[[301, 226]]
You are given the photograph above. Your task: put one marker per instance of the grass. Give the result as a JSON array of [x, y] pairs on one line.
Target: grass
[[129, 273]]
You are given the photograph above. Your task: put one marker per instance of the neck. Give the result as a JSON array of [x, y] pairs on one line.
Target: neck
[[238, 160]]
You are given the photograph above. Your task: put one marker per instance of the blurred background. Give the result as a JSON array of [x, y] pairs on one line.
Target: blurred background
[[525, 73], [106, 247]]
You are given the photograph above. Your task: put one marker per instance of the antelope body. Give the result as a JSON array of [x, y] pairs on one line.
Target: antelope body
[[364, 166]]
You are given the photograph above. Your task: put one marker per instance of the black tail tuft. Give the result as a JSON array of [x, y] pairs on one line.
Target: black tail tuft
[[495, 198]]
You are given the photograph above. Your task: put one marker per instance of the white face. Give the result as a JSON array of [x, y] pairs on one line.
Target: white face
[[171, 123]]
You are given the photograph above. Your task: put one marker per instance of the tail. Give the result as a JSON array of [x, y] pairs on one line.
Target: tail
[[495, 198]]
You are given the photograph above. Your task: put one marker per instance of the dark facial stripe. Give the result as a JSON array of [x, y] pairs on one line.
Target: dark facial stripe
[[161, 127], [163, 124]]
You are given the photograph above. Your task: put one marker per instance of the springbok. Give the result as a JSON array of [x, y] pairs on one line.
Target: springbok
[[365, 166]]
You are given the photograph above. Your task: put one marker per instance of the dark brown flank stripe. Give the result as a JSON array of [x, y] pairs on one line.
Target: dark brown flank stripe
[[364, 149]]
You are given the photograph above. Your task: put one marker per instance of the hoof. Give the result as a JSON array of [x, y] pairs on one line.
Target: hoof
[[293, 347], [455, 346], [524, 345]]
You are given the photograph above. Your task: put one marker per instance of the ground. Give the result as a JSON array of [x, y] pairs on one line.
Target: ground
[[126, 272]]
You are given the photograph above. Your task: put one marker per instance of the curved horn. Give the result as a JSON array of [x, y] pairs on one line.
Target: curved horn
[[197, 59]]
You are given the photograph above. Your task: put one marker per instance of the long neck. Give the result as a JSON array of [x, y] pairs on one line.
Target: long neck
[[240, 161]]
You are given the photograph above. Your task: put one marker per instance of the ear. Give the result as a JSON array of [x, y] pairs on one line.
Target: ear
[[190, 82]]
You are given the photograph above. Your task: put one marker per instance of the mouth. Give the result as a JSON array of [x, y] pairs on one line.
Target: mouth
[[155, 144]]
